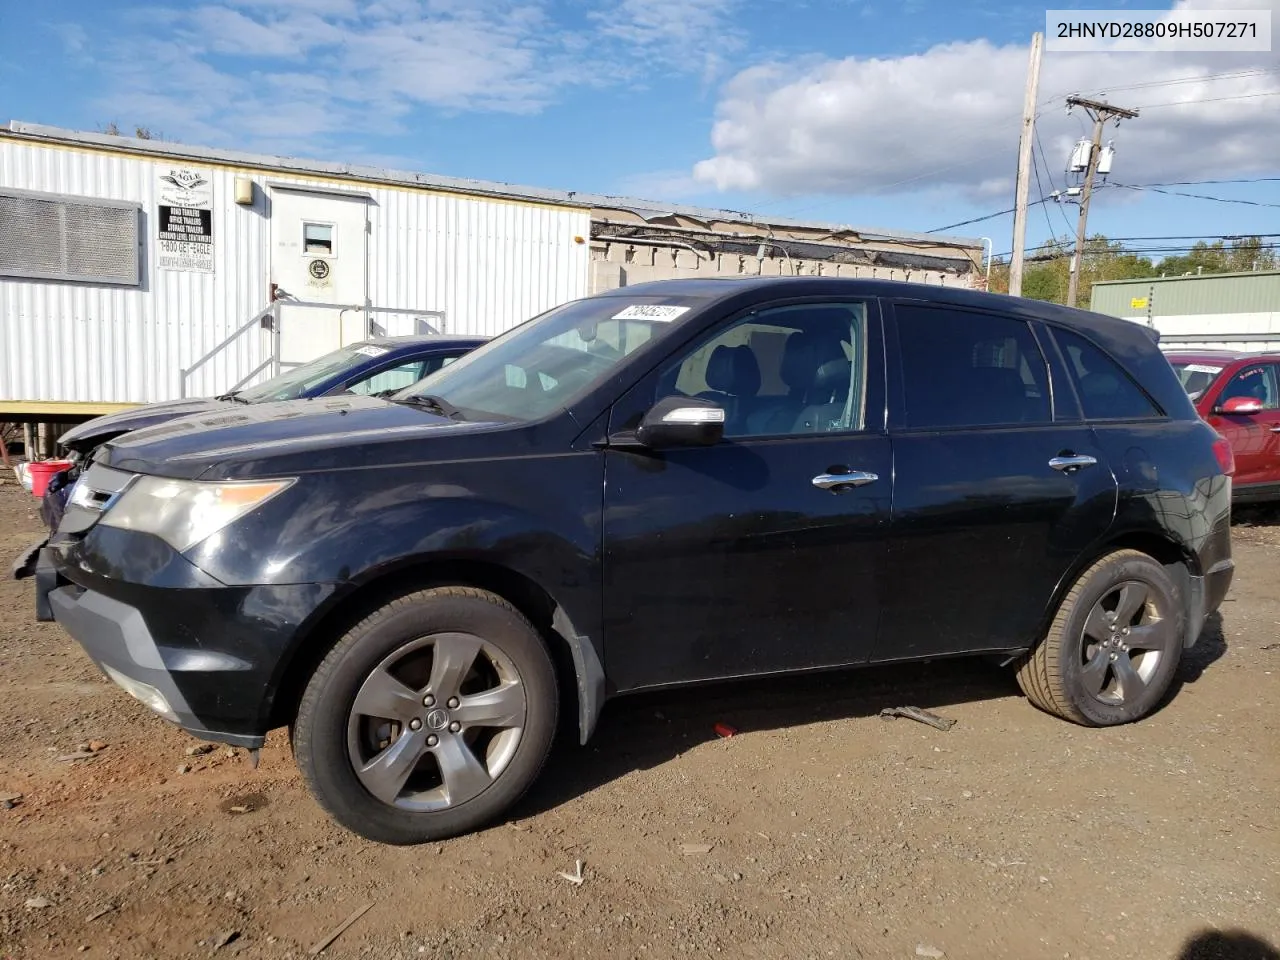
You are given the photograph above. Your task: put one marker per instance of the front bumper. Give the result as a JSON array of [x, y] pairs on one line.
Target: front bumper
[[117, 639], [209, 658]]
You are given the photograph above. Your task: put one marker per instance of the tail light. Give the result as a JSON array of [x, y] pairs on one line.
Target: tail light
[[1226, 459]]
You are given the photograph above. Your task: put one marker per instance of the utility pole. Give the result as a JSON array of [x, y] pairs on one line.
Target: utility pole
[[1024, 165], [1100, 112]]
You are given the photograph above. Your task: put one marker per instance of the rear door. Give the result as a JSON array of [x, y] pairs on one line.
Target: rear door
[[1254, 437], [998, 483]]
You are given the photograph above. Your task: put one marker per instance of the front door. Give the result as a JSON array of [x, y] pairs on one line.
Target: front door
[[753, 556], [1254, 437], [318, 271], [998, 484]]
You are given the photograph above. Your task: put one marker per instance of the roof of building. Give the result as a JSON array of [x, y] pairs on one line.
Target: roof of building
[[646, 209]]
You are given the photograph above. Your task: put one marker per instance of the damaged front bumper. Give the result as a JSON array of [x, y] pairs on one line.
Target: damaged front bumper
[[117, 639], [203, 654]]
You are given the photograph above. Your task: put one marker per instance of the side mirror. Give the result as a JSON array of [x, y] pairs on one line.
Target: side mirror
[[681, 422], [1239, 406]]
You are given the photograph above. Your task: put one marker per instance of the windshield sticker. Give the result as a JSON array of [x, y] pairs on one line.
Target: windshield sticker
[[663, 313], [371, 351], [1201, 368]]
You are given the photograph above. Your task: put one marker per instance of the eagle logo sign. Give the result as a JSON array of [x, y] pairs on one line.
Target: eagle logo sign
[[184, 180]]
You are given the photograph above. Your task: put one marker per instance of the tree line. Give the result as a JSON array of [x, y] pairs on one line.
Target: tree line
[[1047, 270]]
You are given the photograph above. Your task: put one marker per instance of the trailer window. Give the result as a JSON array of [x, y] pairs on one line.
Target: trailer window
[[49, 236]]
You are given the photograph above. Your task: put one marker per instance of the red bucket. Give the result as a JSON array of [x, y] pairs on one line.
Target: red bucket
[[42, 472]]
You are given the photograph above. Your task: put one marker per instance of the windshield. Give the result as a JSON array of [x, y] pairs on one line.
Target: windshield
[[296, 383], [1196, 377], [547, 363]]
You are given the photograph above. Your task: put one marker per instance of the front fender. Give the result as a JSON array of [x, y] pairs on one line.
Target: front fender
[[537, 517]]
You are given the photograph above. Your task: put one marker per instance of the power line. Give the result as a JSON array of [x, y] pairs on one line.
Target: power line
[[1179, 248], [1184, 103], [1202, 236], [1194, 196], [989, 216], [1052, 183], [1192, 183], [1205, 78], [1035, 166]]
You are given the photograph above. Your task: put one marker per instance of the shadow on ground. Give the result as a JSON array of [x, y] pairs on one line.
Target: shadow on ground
[[1208, 650], [644, 730], [1227, 945], [1255, 515]]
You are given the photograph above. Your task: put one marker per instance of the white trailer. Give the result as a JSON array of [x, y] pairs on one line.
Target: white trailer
[[134, 271]]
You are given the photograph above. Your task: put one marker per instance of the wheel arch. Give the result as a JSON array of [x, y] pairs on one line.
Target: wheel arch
[[1178, 560], [578, 664]]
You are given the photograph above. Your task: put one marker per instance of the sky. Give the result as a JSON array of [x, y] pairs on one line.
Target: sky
[[899, 114]]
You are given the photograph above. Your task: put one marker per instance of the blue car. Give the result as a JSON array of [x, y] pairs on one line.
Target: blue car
[[378, 366]]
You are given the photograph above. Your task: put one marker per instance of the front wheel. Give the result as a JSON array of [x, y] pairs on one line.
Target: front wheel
[[429, 718], [1114, 645]]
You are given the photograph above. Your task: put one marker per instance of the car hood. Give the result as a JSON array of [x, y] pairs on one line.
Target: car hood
[[85, 436], [283, 438]]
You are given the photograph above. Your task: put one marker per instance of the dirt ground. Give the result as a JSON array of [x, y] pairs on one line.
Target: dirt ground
[[831, 832]]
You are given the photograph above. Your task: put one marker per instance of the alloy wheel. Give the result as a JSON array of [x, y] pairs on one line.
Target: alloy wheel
[[436, 722], [1125, 637]]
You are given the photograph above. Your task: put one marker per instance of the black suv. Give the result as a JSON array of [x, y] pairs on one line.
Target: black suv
[[666, 484]]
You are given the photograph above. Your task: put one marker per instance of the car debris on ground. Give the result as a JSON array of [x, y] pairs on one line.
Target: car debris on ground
[[919, 715]]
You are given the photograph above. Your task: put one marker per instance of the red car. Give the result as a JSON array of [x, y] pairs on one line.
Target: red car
[[1239, 395]]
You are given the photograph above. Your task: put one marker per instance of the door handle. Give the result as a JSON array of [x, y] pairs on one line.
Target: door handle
[[1072, 461], [840, 482], [1275, 429]]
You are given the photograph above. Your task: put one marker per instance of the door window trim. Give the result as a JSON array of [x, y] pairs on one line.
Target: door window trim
[[894, 362], [875, 404]]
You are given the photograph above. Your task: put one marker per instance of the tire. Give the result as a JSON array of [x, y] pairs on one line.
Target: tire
[[1078, 670], [369, 715]]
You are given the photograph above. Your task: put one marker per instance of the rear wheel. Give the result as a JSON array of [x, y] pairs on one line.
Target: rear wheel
[[429, 718], [1114, 645]]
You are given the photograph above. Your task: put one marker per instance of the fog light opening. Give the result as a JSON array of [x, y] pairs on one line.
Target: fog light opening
[[144, 692]]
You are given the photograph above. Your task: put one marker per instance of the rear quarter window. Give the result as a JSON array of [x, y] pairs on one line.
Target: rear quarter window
[[1105, 389]]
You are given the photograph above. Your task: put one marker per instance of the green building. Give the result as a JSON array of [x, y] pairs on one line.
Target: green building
[[1227, 310]]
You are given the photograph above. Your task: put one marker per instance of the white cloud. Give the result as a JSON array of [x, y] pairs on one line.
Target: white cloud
[[674, 32], [299, 75], [950, 117]]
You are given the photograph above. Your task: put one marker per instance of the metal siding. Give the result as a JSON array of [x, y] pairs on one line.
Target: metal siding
[[96, 343], [487, 264], [1213, 294], [1228, 311]]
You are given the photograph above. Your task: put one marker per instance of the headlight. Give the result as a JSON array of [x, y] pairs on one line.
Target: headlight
[[184, 512]]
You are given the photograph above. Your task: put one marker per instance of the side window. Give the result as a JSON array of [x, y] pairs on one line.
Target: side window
[[397, 378], [432, 364], [970, 369], [1106, 392], [1257, 382], [782, 371]]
